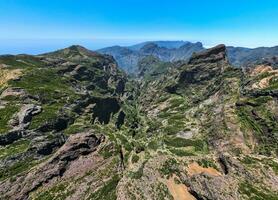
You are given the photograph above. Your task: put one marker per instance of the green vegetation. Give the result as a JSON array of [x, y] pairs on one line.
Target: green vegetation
[[162, 192], [255, 193], [135, 158], [6, 115], [273, 84], [75, 128], [263, 124], [59, 192], [107, 151], [53, 91], [46, 83], [21, 61], [249, 160], [199, 145], [170, 167], [182, 152], [139, 173], [207, 163], [17, 168], [125, 142], [15, 148], [201, 100], [272, 164], [49, 112], [153, 145], [108, 191]]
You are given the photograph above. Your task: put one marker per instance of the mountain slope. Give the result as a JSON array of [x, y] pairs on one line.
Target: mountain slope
[[54, 95], [73, 126], [206, 132]]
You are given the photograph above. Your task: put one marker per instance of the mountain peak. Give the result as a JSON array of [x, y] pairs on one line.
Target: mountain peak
[[214, 54], [149, 47], [74, 51], [189, 45], [76, 47]]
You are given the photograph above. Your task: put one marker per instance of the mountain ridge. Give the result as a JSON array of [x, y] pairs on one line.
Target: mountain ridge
[[128, 57], [77, 127]]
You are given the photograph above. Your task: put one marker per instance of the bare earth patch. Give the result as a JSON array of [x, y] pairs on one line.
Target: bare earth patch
[[261, 69], [264, 83], [178, 191], [6, 75], [195, 168]]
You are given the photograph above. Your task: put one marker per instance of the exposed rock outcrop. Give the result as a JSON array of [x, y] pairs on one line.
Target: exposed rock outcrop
[[15, 92], [205, 186], [44, 146], [104, 109], [202, 69], [76, 146], [211, 55], [12, 136], [23, 118]]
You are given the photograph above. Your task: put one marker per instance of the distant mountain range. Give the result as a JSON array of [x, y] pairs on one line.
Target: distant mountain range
[[171, 51], [240, 56], [129, 57]]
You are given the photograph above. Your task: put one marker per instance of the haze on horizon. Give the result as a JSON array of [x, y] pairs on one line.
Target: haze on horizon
[[31, 26]]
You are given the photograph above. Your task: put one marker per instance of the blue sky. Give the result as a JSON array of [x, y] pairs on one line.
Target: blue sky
[[233, 22]]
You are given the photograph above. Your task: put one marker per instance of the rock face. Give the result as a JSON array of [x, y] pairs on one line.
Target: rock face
[[44, 146], [212, 55], [202, 68], [205, 186], [105, 109], [12, 136], [24, 116], [76, 146]]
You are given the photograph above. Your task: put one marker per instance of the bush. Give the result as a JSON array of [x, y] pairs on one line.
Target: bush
[[134, 158]]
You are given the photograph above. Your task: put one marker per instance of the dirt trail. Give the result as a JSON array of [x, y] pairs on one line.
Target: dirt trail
[[195, 168], [178, 191]]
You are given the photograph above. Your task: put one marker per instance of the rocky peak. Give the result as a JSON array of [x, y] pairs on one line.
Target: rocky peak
[[198, 45], [74, 51], [212, 55], [146, 63], [149, 48]]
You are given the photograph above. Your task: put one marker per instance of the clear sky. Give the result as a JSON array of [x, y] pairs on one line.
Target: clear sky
[[249, 23]]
